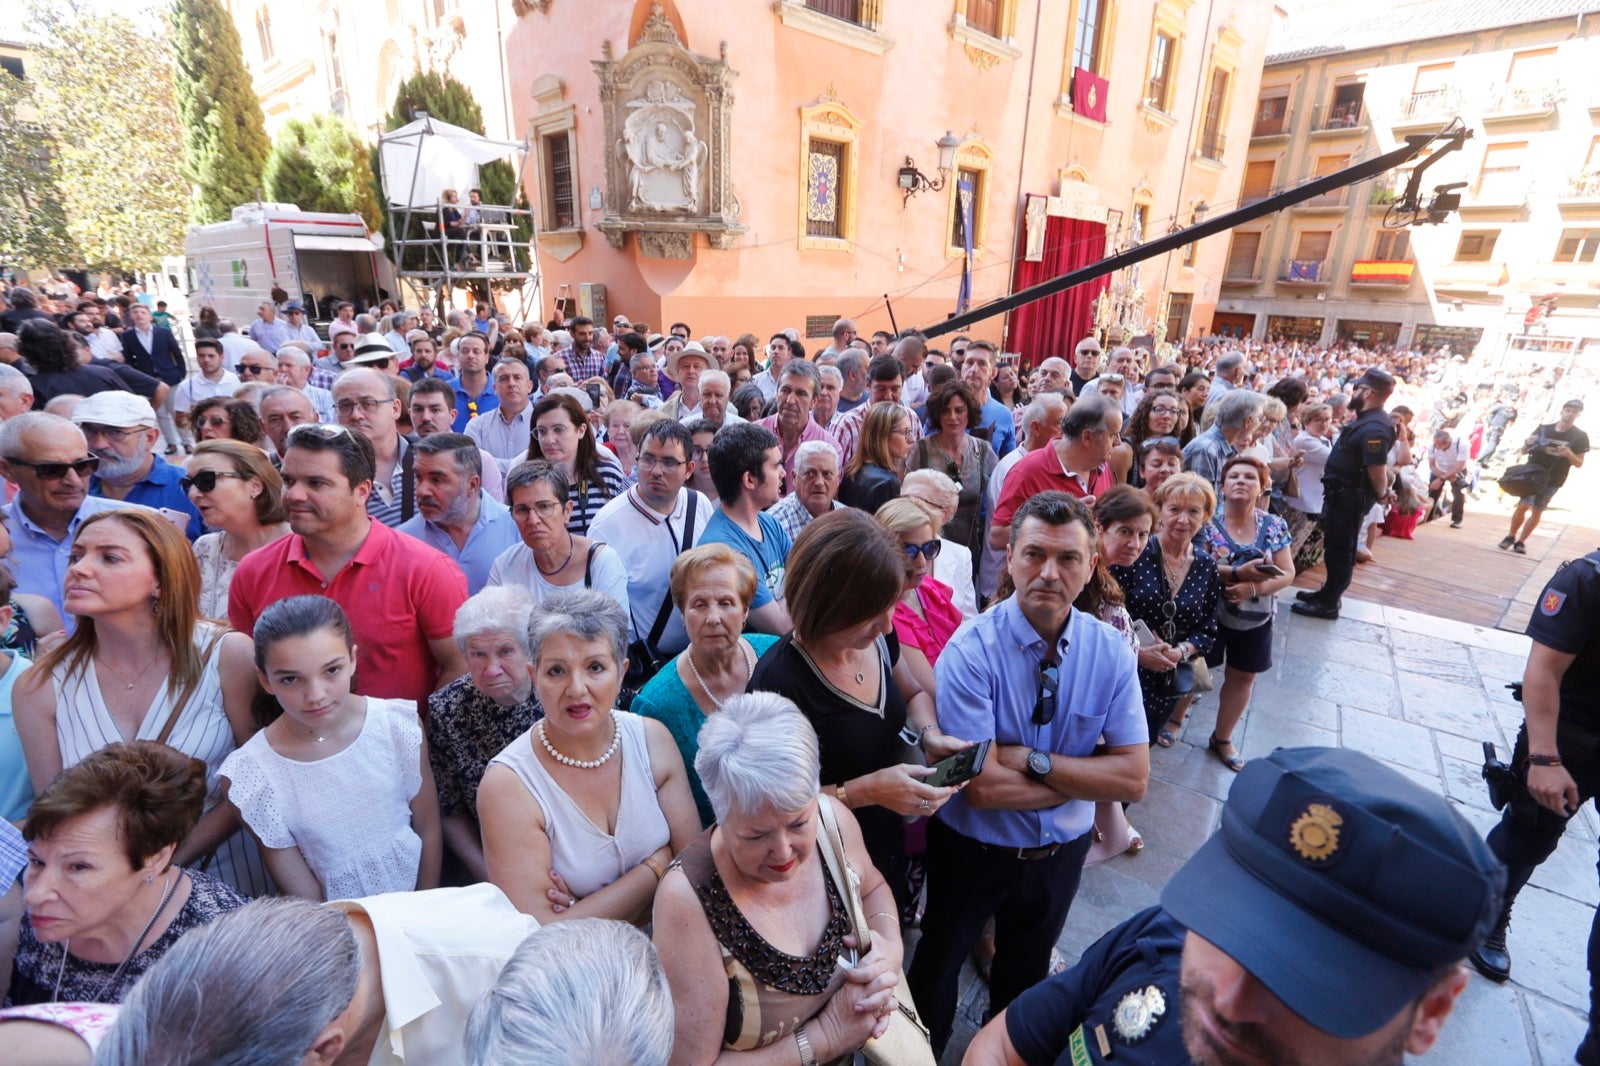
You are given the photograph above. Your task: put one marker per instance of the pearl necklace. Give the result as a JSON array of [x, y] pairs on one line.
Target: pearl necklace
[[578, 764], [749, 669]]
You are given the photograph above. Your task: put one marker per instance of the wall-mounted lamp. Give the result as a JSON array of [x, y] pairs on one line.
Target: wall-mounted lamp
[[912, 181]]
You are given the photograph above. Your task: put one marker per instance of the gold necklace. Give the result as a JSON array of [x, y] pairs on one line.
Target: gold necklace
[[125, 681]]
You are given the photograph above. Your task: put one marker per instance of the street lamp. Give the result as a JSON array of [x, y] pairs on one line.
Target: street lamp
[[912, 181]]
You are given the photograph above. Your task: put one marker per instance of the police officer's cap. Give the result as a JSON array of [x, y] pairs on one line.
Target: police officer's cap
[[1376, 380], [1342, 886]]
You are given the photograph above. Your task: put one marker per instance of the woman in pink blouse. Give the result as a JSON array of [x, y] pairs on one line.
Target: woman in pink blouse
[[925, 617]]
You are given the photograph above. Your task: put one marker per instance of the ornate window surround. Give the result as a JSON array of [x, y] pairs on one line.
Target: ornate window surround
[[974, 154], [866, 38], [830, 120]]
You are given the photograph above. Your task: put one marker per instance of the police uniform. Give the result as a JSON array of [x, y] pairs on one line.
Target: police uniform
[[1348, 495], [1565, 619], [1119, 1004]]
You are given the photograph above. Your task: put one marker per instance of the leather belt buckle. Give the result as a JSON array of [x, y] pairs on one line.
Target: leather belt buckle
[[1043, 851]]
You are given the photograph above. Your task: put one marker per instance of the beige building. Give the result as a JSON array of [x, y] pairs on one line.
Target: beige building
[[1515, 269]]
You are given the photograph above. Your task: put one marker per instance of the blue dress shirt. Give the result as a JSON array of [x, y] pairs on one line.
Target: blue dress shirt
[[469, 406], [988, 685], [160, 489], [493, 533]]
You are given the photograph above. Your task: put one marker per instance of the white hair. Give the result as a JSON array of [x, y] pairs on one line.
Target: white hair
[[583, 614], [295, 355], [585, 991], [716, 375], [1045, 410], [815, 449], [758, 752], [937, 483], [498, 609], [14, 381], [830, 373]]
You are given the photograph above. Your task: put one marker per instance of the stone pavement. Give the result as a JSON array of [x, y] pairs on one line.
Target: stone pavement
[[1421, 693]]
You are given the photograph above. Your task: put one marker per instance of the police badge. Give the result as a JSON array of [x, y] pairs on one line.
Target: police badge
[[1138, 1013]]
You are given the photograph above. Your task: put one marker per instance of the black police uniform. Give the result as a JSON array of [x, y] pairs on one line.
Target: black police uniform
[[1118, 1004], [1566, 619], [1347, 496]]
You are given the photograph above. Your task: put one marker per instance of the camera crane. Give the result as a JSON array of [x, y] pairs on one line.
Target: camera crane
[[1407, 210]]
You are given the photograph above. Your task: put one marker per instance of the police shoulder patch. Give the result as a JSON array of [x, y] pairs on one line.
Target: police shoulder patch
[[1552, 602], [1375, 444]]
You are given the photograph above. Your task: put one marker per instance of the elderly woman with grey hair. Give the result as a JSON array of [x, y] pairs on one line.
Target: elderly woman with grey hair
[[615, 1008], [583, 812], [388, 978], [754, 922], [474, 717]]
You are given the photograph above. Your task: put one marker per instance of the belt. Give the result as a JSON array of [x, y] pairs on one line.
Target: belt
[[1043, 851]]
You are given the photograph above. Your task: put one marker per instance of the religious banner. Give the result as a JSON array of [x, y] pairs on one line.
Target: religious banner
[[1304, 269], [822, 188], [965, 190], [1089, 94]]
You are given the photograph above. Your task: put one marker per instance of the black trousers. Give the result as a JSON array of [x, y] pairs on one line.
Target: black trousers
[[968, 883], [1458, 495], [1342, 510], [1522, 844]]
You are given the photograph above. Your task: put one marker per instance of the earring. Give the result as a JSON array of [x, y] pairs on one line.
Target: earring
[[149, 879]]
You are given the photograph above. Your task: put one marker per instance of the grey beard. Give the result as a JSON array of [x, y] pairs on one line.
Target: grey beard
[[114, 467]]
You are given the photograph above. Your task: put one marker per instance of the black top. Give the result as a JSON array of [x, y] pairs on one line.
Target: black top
[[1079, 382], [870, 489], [135, 381], [855, 739], [1557, 465], [80, 380], [1567, 619], [1064, 1019], [1363, 443], [466, 729]]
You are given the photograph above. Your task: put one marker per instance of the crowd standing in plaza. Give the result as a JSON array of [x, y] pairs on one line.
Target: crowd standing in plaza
[[358, 685]]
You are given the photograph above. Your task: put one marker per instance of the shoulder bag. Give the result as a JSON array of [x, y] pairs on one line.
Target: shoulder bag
[[906, 1042]]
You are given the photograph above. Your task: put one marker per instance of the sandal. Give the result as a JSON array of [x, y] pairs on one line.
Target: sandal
[[1135, 843], [1169, 735], [1232, 762]]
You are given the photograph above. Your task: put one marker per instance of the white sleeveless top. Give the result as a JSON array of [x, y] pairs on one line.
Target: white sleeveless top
[[588, 857], [349, 814], [84, 726]]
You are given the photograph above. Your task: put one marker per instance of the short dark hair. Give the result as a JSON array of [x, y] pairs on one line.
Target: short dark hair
[[431, 384], [357, 461], [157, 792], [885, 334], [199, 342], [735, 451], [671, 431], [1290, 391], [1086, 415], [941, 374], [945, 394], [462, 449], [581, 320], [45, 346], [634, 342], [700, 425], [685, 326], [1053, 508], [846, 568], [244, 422], [475, 335], [885, 368]]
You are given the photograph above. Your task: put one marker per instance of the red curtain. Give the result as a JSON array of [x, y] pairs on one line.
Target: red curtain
[[1055, 325]]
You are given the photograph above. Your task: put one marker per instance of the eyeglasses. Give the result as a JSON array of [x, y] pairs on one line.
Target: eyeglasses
[[656, 462], [219, 420], [1044, 711], [1152, 442], [1166, 409], [320, 430], [367, 405], [929, 550], [57, 471], [544, 509], [206, 480], [345, 347], [111, 433], [1169, 620], [251, 368]]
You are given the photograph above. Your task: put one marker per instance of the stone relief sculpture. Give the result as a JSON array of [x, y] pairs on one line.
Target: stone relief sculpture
[[664, 156]]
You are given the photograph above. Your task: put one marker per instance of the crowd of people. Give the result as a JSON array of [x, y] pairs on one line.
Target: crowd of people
[[352, 706]]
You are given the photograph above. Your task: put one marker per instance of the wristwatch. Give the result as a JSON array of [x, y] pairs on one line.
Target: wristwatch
[[1038, 764]]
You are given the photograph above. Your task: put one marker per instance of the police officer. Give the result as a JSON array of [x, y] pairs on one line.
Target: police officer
[[1557, 755], [1356, 477], [1326, 922]]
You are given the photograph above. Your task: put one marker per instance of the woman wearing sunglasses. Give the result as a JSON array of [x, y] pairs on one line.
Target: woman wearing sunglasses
[[240, 499], [926, 616], [1174, 591]]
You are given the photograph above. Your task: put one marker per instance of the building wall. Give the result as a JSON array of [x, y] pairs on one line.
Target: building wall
[[1006, 103], [1532, 85]]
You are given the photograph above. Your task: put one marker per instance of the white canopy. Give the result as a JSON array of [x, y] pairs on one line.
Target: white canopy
[[427, 156]]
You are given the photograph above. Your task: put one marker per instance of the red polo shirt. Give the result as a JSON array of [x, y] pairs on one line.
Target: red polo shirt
[[1041, 471], [399, 593]]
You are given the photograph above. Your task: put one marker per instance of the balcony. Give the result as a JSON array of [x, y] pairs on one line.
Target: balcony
[[1336, 200], [1336, 119], [1581, 197], [1514, 105], [1308, 273], [1270, 126], [1242, 272], [1572, 275], [853, 23], [859, 12], [1500, 192], [1427, 110], [1469, 277], [1382, 273], [1211, 145]]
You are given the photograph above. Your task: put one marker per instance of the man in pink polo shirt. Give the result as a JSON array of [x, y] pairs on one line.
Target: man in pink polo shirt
[[798, 385], [401, 595], [1077, 463]]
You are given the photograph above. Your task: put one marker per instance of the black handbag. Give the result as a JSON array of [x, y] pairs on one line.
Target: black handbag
[[1524, 479]]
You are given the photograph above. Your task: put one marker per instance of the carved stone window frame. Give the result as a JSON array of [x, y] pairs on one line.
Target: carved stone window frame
[[829, 120], [555, 118], [866, 38]]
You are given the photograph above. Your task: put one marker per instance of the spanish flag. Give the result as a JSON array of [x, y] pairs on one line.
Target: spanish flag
[[1382, 270]]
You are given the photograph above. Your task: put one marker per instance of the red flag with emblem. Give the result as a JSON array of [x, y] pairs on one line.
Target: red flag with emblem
[[1089, 94]]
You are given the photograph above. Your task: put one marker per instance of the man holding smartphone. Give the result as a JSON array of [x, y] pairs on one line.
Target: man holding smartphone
[[1046, 682], [1557, 755]]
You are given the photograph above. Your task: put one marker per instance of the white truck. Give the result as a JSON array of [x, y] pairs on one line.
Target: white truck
[[318, 258]]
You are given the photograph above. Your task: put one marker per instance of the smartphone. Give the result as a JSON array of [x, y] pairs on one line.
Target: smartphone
[[1141, 631], [1268, 568], [964, 765]]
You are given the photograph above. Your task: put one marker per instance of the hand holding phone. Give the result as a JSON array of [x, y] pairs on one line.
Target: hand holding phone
[[961, 767], [1269, 569]]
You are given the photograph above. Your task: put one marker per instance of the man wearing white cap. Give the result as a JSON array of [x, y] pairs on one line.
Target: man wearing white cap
[[685, 365], [121, 431], [375, 353]]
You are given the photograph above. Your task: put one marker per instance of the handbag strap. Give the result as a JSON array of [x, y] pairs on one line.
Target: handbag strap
[[838, 863], [684, 544], [188, 690], [588, 564]]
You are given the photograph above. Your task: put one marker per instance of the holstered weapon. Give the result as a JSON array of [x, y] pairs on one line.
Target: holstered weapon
[[1507, 787]]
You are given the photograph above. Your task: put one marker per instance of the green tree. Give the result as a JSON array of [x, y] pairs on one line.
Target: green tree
[[33, 225], [225, 141], [104, 87], [320, 164]]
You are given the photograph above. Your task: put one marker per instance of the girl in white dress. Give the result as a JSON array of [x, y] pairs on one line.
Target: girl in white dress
[[337, 789]]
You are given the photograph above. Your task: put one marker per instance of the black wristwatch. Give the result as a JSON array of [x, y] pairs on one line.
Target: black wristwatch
[[1038, 764]]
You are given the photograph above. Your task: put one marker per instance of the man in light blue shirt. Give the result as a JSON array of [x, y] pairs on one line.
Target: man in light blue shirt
[[268, 330], [454, 514], [1046, 682], [48, 459], [977, 371]]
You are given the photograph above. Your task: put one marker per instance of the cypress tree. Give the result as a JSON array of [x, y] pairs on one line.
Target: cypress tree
[[225, 141]]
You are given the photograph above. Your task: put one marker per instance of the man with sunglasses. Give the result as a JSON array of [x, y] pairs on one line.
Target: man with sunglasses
[[48, 459], [341, 349], [1048, 683], [121, 431]]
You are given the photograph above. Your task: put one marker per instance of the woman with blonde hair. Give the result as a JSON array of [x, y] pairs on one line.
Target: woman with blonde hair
[[925, 616], [938, 494], [239, 495], [873, 477], [144, 665]]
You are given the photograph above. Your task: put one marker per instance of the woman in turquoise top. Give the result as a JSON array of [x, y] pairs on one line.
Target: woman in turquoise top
[[16, 787], [712, 587]]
